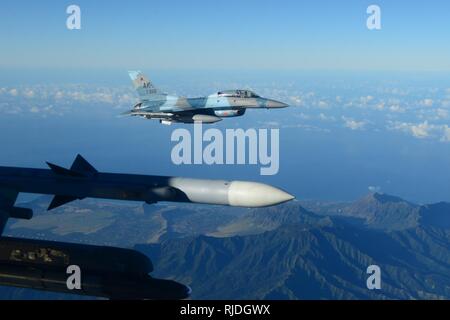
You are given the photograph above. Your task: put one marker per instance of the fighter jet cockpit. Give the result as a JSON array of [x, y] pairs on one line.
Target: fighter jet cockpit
[[238, 94]]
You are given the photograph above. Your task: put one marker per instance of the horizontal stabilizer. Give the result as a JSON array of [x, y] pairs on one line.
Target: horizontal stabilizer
[[127, 113], [59, 201], [81, 166]]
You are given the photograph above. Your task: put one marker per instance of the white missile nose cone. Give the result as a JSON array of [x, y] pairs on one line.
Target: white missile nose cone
[[254, 194]]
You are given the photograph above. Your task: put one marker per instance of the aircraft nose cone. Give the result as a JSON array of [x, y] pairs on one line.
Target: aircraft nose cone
[[253, 194], [273, 104]]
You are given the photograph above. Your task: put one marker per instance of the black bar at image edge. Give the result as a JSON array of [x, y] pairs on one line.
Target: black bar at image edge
[[228, 309]]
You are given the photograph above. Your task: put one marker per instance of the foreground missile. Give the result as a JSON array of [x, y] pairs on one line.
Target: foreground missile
[[82, 180], [104, 271]]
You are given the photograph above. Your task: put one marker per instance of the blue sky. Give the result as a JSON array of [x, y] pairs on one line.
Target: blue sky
[[329, 35]]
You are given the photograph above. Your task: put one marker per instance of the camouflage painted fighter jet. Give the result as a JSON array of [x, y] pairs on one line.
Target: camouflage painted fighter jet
[[154, 104]]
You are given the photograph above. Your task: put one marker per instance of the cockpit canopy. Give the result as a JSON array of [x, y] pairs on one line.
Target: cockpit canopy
[[237, 94]]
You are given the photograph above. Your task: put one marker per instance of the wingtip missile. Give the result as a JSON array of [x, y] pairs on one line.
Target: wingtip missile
[[254, 194], [82, 180]]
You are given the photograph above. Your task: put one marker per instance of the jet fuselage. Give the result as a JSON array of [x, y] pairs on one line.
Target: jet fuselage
[[154, 104]]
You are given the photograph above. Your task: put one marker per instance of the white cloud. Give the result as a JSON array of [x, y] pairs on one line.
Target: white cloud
[[322, 104], [126, 99], [380, 105], [374, 188], [446, 134], [421, 130], [396, 108], [427, 102], [296, 100], [29, 93], [366, 100], [324, 117], [59, 95], [353, 124], [441, 113], [13, 92]]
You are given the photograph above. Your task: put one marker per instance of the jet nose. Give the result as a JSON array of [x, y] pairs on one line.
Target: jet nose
[[273, 104], [253, 194]]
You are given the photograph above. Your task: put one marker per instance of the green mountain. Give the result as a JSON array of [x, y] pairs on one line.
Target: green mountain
[[316, 262], [256, 221], [386, 212]]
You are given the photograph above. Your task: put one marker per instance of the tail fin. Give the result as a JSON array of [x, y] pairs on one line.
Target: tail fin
[[144, 86]]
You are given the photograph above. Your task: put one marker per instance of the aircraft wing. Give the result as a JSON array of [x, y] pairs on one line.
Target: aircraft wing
[[147, 114]]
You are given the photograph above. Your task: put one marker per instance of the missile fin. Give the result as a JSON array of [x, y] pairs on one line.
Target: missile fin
[[59, 201], [63, 171], [81, 166]]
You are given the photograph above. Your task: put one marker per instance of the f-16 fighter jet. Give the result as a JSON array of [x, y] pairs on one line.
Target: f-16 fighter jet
[[154, 104]]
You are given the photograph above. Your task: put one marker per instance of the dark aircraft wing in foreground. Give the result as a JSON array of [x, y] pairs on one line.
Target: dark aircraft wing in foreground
[[108, 272]]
